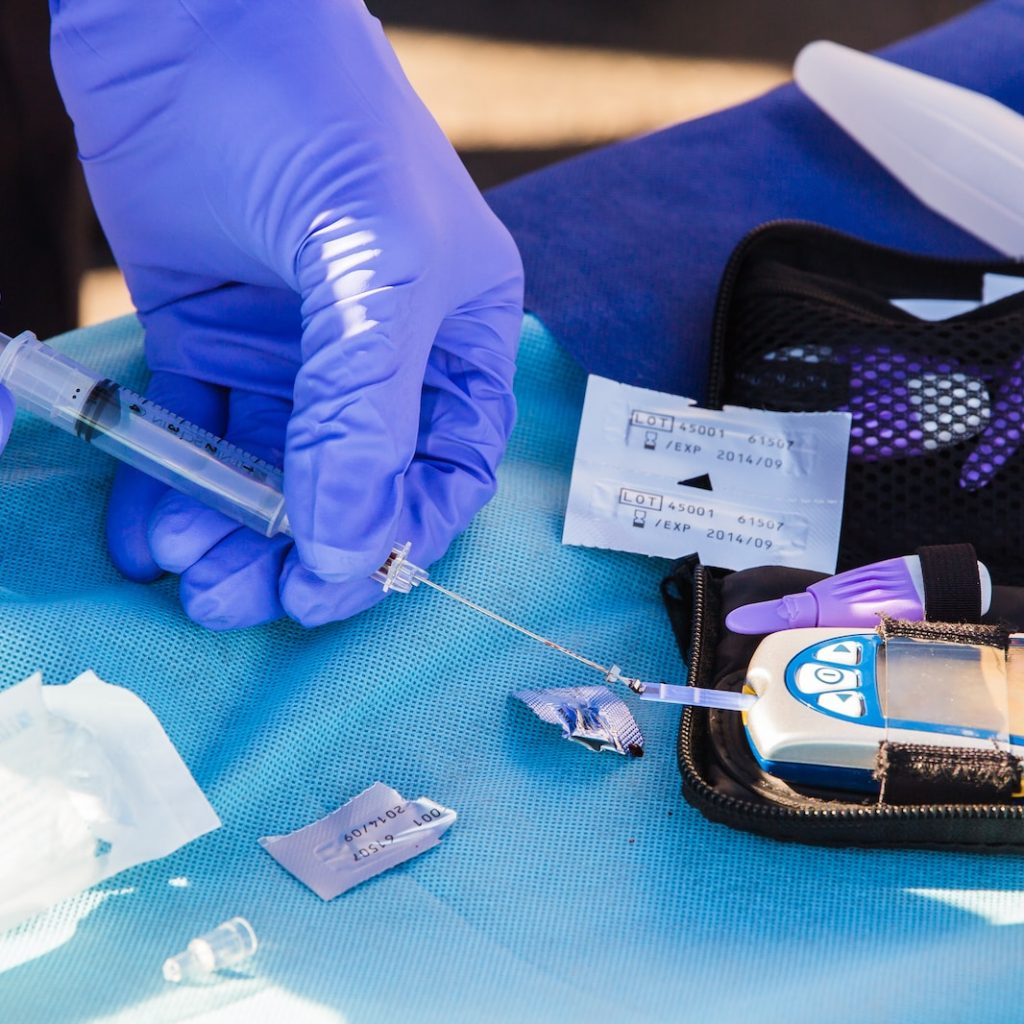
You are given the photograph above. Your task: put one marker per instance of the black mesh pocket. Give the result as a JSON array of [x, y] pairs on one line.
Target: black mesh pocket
[[806, 323]]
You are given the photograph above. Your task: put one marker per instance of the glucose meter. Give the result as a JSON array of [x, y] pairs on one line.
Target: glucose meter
[[828, 697]]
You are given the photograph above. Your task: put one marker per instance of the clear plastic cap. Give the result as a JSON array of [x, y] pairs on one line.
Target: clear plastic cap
[[227, 945], [398, 573]]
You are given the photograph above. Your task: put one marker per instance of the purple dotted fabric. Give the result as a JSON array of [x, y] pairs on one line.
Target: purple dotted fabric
[[937, 407], [904, 405], [1002, 437]]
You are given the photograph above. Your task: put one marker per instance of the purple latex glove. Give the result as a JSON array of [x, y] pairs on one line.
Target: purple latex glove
[[319, 280], [6, 416]]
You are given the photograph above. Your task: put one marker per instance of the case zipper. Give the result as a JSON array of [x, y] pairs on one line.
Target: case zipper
[[820, 295], [693, 780]]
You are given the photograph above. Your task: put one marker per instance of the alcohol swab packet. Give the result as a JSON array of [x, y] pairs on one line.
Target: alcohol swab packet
[[591, 715], [374, 831], [90, 784]]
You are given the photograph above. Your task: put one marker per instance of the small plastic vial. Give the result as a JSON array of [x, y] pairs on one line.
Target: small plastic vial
[[228, 944]]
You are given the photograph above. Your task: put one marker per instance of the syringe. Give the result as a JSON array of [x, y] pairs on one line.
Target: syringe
[[398, 573], [206, 467], [142, 434]]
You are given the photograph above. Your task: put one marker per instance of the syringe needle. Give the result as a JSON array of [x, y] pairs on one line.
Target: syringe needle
[[526, 632], [398, 573], [663, 692]]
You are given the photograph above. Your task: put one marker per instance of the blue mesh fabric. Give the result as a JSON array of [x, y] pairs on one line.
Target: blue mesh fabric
[[573, 887]]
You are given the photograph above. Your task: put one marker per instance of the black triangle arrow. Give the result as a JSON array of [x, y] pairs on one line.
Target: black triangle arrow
[[702, 482]]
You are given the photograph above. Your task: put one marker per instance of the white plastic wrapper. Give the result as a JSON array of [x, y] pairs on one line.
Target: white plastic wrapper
[[374, 831], [90, 785], [657, 475]]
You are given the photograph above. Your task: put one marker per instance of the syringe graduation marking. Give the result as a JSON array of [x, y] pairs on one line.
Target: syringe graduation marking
[[97, 408]]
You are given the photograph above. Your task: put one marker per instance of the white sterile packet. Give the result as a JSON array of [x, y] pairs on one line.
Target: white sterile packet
[[658, 475], [90, 784], [374, 831]]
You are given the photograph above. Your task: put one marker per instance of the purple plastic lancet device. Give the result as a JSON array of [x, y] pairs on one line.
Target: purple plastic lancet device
[[854, 598]]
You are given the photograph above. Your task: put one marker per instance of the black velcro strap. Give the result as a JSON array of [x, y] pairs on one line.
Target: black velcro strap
[[919, 773], [947, 632], [952, 588]]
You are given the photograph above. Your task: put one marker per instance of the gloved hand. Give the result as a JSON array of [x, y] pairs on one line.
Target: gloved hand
[[319, 280]]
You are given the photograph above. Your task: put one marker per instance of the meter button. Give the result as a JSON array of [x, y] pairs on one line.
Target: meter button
[[813, 678], [846, 652], [850, 705]]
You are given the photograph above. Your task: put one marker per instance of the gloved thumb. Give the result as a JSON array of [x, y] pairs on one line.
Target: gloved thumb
[[6, 416]]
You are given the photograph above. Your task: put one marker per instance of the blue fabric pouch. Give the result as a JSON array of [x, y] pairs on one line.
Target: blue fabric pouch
[[624, 246]]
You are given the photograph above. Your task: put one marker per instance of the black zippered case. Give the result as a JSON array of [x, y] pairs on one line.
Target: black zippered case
[[805, 322]]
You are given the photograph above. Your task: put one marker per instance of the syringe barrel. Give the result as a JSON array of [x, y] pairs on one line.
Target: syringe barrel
[[141, 434], [44, 382]]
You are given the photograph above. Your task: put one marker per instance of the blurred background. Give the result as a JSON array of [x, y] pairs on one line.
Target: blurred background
[[516, 87]]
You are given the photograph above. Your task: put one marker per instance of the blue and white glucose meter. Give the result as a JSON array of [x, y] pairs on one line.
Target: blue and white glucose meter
[[828, 697]]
